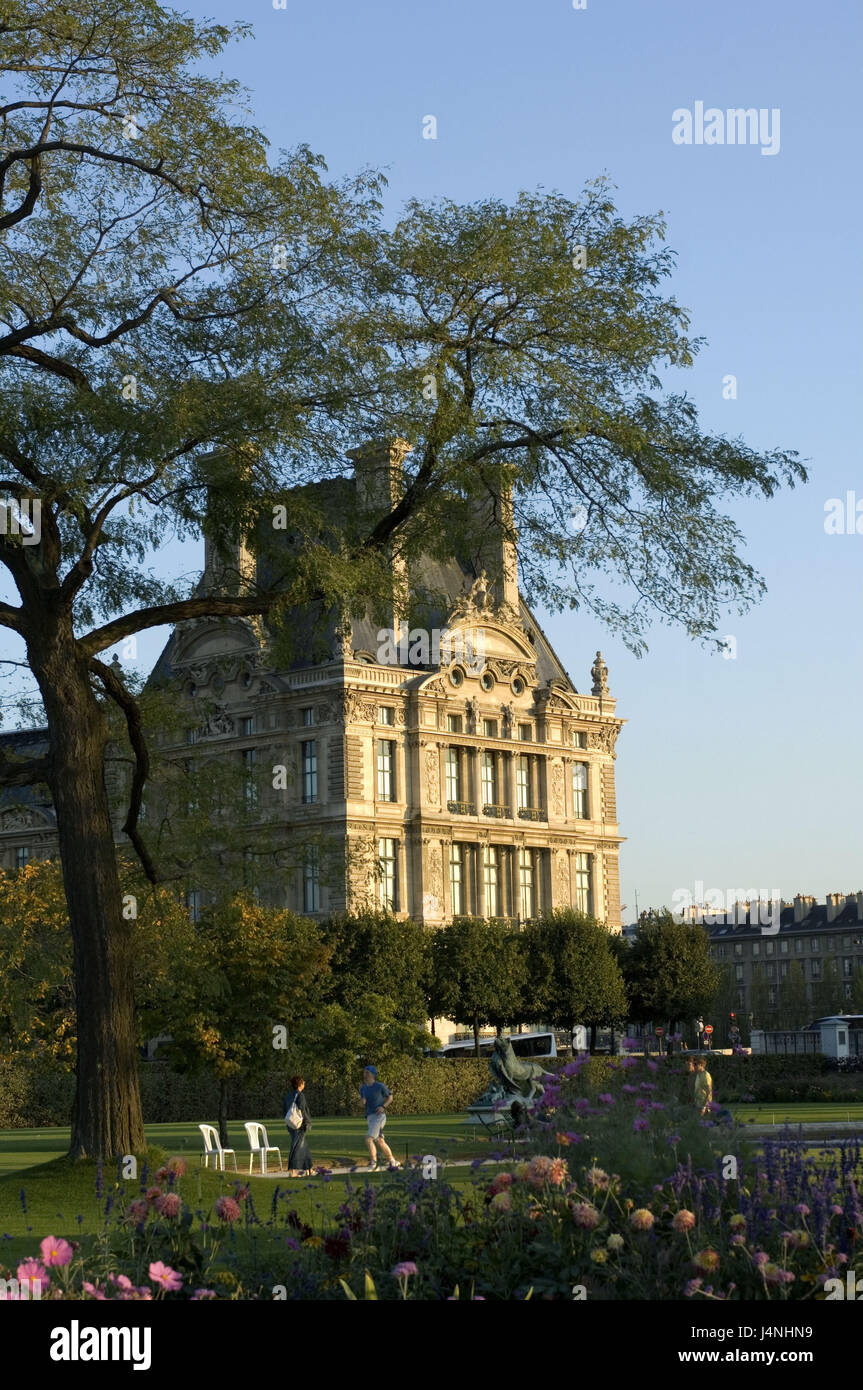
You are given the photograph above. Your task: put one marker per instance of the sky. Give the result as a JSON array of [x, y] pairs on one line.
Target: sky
[[740, 772]]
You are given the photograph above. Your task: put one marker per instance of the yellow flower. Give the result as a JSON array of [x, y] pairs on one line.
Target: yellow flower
[[314, 1242], [738, 1221], [599, 1257]]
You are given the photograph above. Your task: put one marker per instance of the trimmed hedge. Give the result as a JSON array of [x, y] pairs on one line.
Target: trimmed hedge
[[32, 1097]]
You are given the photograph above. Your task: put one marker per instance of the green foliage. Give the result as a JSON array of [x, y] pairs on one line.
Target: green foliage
[[763, 1013], [793, 1008], [379, 954], [478, 973], [572, 971], [667, 969]]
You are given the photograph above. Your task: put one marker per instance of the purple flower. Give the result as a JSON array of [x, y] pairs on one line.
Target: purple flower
[[640, 1124], [606, 1098]]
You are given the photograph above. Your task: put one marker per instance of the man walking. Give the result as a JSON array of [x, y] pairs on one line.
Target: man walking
[[377, 1097], [703, 1087]]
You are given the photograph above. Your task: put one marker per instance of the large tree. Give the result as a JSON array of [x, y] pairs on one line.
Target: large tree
[[170, 294], [572, 972], [669, 975], [478, 974]]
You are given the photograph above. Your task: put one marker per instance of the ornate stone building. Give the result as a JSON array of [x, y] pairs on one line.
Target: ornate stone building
[[438, 771]]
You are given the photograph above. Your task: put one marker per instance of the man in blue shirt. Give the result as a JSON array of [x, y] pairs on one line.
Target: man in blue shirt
[[377, 1097]]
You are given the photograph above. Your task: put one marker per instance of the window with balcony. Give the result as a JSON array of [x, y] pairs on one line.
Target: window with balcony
[[453, 775], [387, 885], [311, 880], [250, 785], [309, 757], [526, 884], [583, 892], [456, 880], [579, 790], [522, 782], [386, 770], [491, 881], [489, 779]]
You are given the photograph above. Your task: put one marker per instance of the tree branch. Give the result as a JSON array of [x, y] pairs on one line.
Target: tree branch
[[121, 697], [211, 606]]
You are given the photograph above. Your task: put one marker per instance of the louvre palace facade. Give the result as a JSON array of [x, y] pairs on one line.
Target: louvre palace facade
[[449, 771]]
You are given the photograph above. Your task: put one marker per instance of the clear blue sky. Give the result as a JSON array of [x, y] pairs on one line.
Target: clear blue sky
[[739, 773]]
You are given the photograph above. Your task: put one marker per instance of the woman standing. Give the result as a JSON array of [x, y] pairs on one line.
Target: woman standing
[[300, 1161]]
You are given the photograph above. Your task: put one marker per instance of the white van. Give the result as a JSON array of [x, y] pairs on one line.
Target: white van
[[523, 1045]]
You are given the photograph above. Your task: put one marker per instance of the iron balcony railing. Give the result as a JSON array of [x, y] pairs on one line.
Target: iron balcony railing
[[461, 808], [500, 812], [532, 813]]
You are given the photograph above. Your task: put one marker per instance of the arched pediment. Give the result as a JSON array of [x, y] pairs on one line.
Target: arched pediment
[[14, 819]]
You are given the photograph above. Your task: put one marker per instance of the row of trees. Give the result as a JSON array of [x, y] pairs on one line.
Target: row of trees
[[247, 982]]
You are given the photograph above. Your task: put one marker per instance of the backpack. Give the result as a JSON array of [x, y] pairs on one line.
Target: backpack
[[294, 1115]]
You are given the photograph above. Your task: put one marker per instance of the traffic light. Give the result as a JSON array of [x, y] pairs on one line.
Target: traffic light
[[731, 1014]]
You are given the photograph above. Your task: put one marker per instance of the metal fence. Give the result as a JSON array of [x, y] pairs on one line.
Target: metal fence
[[792, 1044]]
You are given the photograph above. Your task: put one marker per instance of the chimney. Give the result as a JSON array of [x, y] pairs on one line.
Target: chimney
[[379, 474], [859, 900], [835, 904], [802, 906], [229, 564], [496, 545]]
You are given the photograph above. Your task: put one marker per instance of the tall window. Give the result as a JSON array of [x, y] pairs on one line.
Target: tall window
[[453, 723], [815, 966], [247, 725], [386, 762], [522, 781], [579, 738], [525, 733], [583, 895], [308, 716], [453, 779], [491, 881], [250, 786], [192, 735], [579, 790], [489, 728], [489, 780], [310, 771], [311, 881], [456, 880], [194, 902], [387, 869], [526, 884], [22, 856], [386, 714]]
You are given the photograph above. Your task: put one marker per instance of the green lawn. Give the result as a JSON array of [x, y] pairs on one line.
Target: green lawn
[[798, 1112], [68, 1199]]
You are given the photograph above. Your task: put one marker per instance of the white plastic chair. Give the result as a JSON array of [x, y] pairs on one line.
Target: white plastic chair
[[260, 1145], [213, 1149]]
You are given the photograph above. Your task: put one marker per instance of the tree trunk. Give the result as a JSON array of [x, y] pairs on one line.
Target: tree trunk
[[223, 1113], [106, 1117], [592, 1039], [476, 1035]]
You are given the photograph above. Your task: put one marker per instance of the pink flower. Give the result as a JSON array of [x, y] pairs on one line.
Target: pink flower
[[168, 1205], [405, 1270], [55, 1251], [200, 1294], [502, 1201], [597, 1177], [227, 1209], [585, 1215], [642, 1219], [122, 1281], [177, 1166], [683, 1221], [539, 1170], [559, 1172], [30, 1269], [94, 1290], [165, 1277], [138, 1211], [152, 1193], [692, 1286], [498, 1183]]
